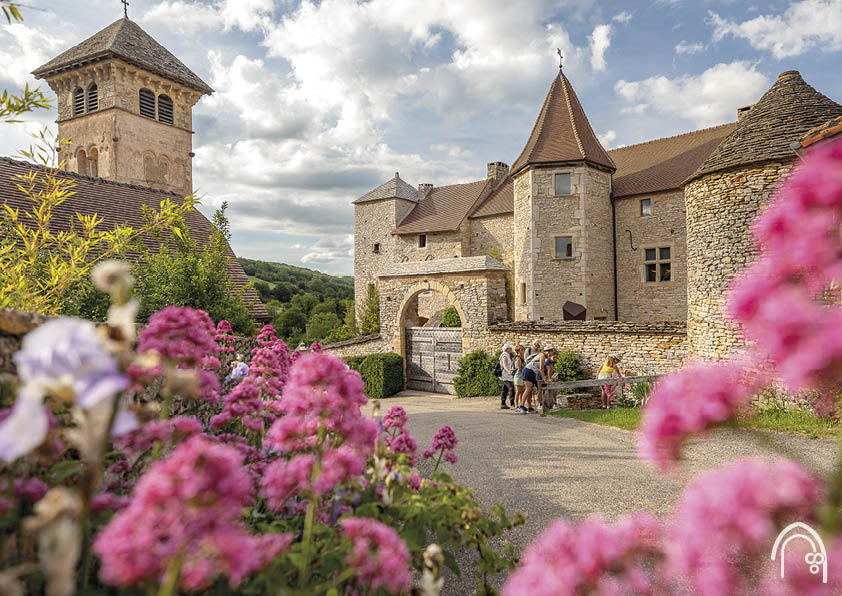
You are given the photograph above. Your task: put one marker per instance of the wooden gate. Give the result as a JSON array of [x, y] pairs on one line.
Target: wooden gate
[[432, 356]]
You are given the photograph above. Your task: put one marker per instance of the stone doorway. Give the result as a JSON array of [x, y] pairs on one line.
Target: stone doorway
[[432, 357]]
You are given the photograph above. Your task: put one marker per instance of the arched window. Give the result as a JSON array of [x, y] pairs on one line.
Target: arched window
[[164, 109], [93, 165], [82, 162], [78, 102], [93, 98], [147, 103], [150, 169]]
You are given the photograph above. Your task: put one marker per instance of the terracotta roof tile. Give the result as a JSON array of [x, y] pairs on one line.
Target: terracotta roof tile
[[443, 208], [125, 39], [499, 201], [117, 203], [786, 111], [831, 128], [663, 164], [562, 132]]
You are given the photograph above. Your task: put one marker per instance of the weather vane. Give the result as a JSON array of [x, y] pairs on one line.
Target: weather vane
[[125, 8], [560, 57]]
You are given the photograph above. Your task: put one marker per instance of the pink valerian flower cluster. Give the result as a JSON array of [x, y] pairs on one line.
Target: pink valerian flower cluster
[[181, 335], [30, 489], [322, 425], [316, 347], [395, 418], [224, 336], [398, 437], [170, 431], [266, 337], [728, 519], [444, 442], [592, 557], [378, 556], [187, 505], [690, 401]]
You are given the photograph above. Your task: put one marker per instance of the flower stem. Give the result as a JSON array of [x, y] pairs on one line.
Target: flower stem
[[165, 413], [173, 573], [438, 461], [307, 537], [830, 514]]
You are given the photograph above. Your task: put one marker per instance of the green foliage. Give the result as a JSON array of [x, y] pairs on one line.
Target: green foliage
[[635, 395], [298, 280], [304, 302], [186, 274], [354, 362], [625, 418], [370, 317], [568, 368], [341, 333], [382, 374], [13, 106], [450, 317], [321, 324], [290, 322], [475, 375], [495, 254]]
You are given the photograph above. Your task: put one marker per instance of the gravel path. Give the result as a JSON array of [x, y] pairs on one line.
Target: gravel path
[[560, 467]]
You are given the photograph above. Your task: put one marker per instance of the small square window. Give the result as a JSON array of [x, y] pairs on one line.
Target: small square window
[[665, 271], [664, 254], [651, 273], [657, 266], [564, 247], [422, 240], [645, 207], [377, 248], [562, 184], [650, 254]]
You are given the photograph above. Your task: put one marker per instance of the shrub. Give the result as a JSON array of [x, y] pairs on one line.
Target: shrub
[[475, 375], [354, 362], [450, 317], [369, 322], [568, 368], [382, 374]]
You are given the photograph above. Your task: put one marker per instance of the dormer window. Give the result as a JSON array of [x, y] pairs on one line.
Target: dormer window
[[78, 102], [165, 111], [422, 240], [93, 98], [147, 103]]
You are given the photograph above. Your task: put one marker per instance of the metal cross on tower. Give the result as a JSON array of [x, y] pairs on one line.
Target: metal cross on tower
[[125, 8], [560, 57]]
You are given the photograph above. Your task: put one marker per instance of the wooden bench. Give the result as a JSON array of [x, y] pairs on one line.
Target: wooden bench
[[586, 383]]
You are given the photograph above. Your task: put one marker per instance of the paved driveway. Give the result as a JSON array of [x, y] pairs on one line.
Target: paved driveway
[[560, 467]]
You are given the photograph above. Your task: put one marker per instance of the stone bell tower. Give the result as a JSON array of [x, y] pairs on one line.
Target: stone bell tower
[[125, 104]]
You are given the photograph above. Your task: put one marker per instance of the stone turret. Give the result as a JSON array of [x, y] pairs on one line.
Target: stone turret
[[724, 195], [562, 214]]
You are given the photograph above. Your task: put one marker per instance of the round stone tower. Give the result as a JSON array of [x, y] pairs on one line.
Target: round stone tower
[[725, 194]]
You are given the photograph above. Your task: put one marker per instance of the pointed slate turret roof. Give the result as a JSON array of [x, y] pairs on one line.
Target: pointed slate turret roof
[[562, 132], [786, 111], [395, 188], [126, 40]]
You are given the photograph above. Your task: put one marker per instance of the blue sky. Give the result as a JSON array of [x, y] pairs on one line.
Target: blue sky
[[318, 102]]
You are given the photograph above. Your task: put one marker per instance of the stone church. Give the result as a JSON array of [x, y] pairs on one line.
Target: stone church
[[125, 106], [639, 236]]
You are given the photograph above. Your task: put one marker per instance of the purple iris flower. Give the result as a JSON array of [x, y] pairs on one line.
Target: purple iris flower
[[239, 370]]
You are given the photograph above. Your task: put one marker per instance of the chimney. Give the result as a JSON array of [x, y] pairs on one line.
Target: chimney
[[423, 189], [497, 170], [742, 112]]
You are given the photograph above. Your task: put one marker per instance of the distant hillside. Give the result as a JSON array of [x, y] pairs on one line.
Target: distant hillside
[[285, 281]]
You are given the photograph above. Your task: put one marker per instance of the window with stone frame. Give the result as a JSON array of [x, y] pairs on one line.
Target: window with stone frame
[[563, 247], [93, 163], [422, 240], [82, 162], [657, 264], [561, 184], [645, 207]]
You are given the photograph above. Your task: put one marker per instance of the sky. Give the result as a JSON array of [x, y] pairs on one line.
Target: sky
[[317, 103]]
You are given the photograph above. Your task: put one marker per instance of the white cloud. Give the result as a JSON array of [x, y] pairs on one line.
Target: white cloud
[[188, 18], [23, 49], [706, 99], [607, 138], [452, 150], [600, 41], [622, 17], [330, 249], [803, 26], [683, 47]]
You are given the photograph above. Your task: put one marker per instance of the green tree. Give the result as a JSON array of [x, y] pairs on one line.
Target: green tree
[[304, 302], [290, 322], [321, 324], [186, 274], [450, 317], [370, 318], [328, 306]]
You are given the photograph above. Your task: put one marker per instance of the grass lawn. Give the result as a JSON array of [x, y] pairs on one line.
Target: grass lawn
[[795, 421]]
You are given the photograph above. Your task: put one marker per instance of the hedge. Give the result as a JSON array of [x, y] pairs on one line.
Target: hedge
[[475, 375], [381, 373]]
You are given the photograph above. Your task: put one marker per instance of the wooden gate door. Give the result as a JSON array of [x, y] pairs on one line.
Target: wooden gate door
[[432, 356]]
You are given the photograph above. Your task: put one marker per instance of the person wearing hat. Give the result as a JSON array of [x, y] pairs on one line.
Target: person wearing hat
[[507, 377], [610, 368], [533, 349]]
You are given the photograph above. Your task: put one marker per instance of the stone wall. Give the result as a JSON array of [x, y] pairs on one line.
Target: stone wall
[[494, 231], [720, 209], [650, 348], [358, 346], [597, 260], [373, 224], [522, 245], [639, 300], [440, 245], [14, 324], [146, 151]]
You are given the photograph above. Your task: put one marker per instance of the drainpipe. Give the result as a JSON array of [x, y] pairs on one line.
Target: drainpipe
[[614, 250]]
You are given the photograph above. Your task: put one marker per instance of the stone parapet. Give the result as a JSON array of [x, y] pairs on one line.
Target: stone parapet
[[357, 346]]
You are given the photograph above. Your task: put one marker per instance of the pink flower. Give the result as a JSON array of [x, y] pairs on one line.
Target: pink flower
[[338, 466], [690, 401], [445, 438], [378, 556], [395, 418], [451, 457], [108, 501], [403, 442], [189, 505], [283, 479], [591, 557], [172, 431], [182, 335], [728, 519], [316, 347], [225, 336], [266, 337]]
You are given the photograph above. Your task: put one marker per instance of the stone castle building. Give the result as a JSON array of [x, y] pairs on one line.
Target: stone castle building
[[125, 107], [640, 235]]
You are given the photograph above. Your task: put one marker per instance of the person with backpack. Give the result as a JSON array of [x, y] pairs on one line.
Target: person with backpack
[[505, 372]]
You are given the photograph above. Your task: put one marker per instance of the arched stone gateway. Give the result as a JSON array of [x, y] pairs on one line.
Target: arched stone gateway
[[475, 286]]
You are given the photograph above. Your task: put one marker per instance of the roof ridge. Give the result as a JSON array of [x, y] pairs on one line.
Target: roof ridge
[[91, 178], [458, 184], [682, 134], [571, 116]]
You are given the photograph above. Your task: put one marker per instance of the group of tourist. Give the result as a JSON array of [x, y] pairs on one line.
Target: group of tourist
[[524, 370]]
